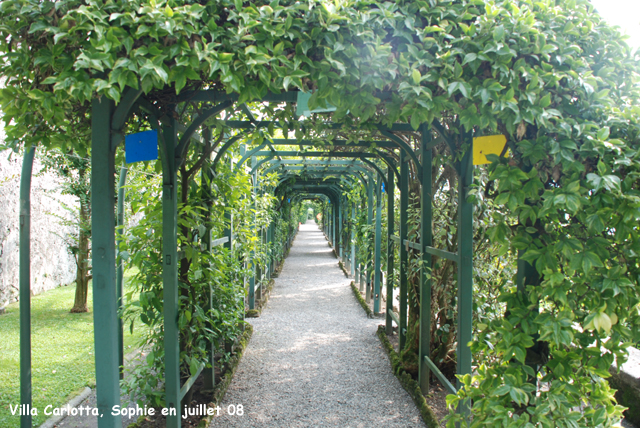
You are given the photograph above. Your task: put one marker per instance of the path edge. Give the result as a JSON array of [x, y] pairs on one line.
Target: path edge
[[255, 313], [364, 305], [407, 382], [74, 402], [221, 389]]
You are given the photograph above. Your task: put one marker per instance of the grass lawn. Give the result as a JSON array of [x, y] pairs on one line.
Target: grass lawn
[[62, 353]]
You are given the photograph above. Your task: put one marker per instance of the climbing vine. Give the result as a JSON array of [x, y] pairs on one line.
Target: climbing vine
[[550, 75]]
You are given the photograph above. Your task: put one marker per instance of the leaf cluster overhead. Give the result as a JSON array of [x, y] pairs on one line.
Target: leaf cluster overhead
[[494, 64]]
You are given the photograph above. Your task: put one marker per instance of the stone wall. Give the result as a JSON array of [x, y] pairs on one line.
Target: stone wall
[[51, 263], [627, 384]]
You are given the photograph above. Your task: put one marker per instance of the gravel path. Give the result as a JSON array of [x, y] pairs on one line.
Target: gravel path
[[314, 359]]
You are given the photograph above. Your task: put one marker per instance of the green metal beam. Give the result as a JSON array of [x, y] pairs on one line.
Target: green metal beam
[[239, 124], [105, 314], [426, 234], [353, 239], [122, 113], [123, 110], [183, 146], [339, 231], [404, 258], [211, 95], [465, 266], [226, 146], [378, 244], [298, 153], [443, 133], [362, 155], [348, 170], [252, 278], [207, 198], [334, 143], [390, 250], [406, 148], [170, 274], [369, 261], [25, 288], [120, 268]]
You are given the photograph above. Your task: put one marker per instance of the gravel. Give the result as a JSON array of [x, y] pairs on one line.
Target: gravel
[[314, 358]]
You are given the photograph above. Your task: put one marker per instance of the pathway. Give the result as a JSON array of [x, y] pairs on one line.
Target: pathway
[[314, 359]]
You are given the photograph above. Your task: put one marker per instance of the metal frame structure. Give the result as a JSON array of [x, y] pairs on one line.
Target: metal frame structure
[[343, 163]]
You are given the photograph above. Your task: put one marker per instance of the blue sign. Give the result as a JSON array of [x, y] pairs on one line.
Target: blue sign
[[383, 187], [141, 146], [289, 200]]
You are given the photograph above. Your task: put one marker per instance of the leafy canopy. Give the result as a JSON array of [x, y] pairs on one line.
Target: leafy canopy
[[549, 74]]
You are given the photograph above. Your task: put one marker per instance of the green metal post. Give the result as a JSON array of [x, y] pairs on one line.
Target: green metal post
[[267, 239], [325, 219], [369, 262], [361, 268], [465, 264], [103, 222], [170, 276], [353, 240], [390, 249], [404, 257], [252, 278], [340, 227], [331, 224], [25, 288], [425, 273], [228, 229], [120, 267], [334, 224], [207, 197], [258, 268], [376, 268]]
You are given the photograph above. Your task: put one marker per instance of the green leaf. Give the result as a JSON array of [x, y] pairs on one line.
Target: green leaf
[[504, 389], [50, 80], [545, 101], [602, 322], [519, 396], [278, 49], [416, 76], [603, 133], [193, 367], [595, 223]]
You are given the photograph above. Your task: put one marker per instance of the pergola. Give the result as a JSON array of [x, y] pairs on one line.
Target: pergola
[[325, 171]]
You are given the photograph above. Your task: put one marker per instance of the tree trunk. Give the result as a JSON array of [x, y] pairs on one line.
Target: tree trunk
[[82, 258]]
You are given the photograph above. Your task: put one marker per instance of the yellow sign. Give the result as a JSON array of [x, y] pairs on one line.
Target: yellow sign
[[489, 145]]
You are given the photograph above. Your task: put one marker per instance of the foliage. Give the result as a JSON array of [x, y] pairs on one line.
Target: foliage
[[550, 75], [211, 293]]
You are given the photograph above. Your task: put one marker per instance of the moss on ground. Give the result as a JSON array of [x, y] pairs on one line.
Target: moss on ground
[[407, 382], [362, 302], [221, 388], [255, 313]]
